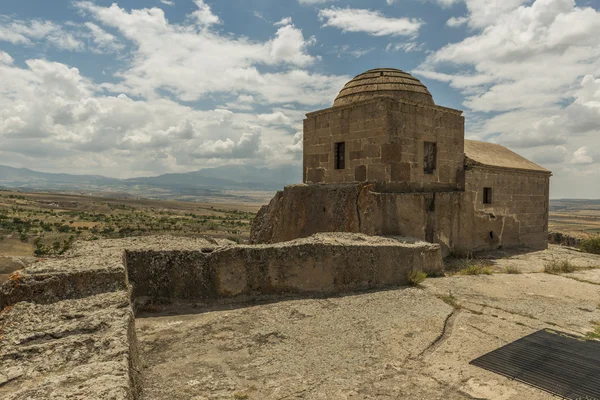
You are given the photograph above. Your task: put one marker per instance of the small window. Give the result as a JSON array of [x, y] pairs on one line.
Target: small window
[[340, 155], [487, 195], [429, 157]]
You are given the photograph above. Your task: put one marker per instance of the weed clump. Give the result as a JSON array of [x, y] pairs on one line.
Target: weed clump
[[475, 269], [512, 270], [416, 277], [591, 245], [595, 334], [555, 266]]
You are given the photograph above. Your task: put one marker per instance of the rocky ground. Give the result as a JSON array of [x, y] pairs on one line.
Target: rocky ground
[[410, 343]]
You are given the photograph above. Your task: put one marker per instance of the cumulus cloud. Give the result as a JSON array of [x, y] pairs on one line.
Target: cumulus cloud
[[455, 22], [192, 63], [371, 22], [482, 12], [585, 155], [528, 78], [27, 33], [53, 117], [104, 41]]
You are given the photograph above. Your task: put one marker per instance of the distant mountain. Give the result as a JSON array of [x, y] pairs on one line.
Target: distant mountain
[[206, 181]]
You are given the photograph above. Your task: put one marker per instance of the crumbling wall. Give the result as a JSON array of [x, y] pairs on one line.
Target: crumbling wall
[[323, 263], [454, 219]]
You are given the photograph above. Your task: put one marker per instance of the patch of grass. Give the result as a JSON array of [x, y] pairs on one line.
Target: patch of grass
[[450, 300], [556, 266], [469, 266], [591, 245], [416, 277], [476, 269], [595, 334], [512, 270]]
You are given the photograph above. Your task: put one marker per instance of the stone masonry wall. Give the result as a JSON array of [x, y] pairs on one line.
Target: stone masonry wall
[[452, 218], [384, 141], [324, 263], [410, 125], [524, 195]]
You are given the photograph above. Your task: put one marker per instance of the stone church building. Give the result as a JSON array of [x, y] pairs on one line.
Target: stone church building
[[386, 160]]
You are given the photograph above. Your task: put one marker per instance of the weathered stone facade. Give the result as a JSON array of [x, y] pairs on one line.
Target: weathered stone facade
[[385, 160]]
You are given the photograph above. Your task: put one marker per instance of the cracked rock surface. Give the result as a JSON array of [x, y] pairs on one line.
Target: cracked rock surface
[[409, 343], [71, 349]]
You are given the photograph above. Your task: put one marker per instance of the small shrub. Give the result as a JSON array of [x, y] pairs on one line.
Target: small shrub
[[512, 270], [416, 277], [555, 266], [240, 396], [23, 237], [450, 300], [476, 269], [595, 334], [591, 245]]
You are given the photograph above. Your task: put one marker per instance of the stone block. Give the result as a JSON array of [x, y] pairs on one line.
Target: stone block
[[312, 160], [391, 152], [376, 172], [316, 175], [400, 172], [357, 155], [360, 173], [373, 150]]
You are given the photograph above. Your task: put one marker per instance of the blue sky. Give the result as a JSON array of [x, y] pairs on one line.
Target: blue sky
[[147, 87]]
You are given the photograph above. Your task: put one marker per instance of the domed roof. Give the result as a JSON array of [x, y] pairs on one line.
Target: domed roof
[[383, 82]]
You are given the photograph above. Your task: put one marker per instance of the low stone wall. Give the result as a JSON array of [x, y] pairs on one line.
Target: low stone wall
[[323, 263]]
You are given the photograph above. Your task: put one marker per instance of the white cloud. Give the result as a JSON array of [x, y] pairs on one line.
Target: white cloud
[[193, 63], [347, 50], [5, 58], [527, 75], [406, 47], [371, 22], [284, 21], [483, 12], [53, 118], [203, 15], [455, 22], [585, 155], [29, 32], [168, 2], [104, 41]]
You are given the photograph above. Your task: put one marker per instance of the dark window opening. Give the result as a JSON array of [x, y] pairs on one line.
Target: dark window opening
[[429, 157], [491, 235], [430, 204], [340, 155], [487, 195]]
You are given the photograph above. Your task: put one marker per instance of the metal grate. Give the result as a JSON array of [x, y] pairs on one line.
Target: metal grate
[[559, 363]]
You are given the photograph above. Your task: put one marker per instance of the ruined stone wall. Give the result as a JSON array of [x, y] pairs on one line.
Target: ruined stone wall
[[323, 263], [523, 196], [384, 141], [454, 219]]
